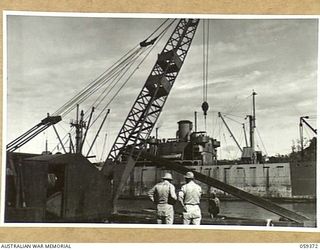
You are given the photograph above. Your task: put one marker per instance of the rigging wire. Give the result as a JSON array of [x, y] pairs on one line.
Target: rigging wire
[[104, 145], [70, 108], [83, 94], [215, 122], [226, 148], [127, 69], [113, 72], [86, 88], [307, 131], [229, 114], [219, 135], [232, 119], [158, 28], [265, 149], [129, 77], [236, 152], [233, 108], [58, 144], [114, 82]]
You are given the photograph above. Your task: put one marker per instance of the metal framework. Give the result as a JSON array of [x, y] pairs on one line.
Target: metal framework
[[149, 103]]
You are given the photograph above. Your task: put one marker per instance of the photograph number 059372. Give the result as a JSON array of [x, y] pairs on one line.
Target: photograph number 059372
[[135, 119]]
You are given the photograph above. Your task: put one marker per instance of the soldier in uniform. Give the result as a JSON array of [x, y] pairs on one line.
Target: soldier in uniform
[[163, 194], [189, 197]]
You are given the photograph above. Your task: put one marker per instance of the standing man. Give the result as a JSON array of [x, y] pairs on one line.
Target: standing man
[[189, 197], [162, 194], [213, 205]]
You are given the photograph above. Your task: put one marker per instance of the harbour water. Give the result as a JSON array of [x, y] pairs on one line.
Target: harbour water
[[232, 208]]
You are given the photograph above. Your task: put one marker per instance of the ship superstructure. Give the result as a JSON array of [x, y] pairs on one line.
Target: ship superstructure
[[188, 147]]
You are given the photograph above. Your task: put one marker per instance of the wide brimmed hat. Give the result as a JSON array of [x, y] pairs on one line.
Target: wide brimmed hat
[[189, 175], [167, 176]]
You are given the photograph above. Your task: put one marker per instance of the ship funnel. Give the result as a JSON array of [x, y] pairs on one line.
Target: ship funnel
[[184, 130]]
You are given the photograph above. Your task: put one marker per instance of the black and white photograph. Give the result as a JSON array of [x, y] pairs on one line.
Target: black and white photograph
[[207, 121]]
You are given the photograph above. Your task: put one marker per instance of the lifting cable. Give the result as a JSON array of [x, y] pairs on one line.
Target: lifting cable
[[82, 98], [94, 85], [132, 73], [113, 84], [262, 142], [115, 72], [205, 50], [121, 74], [114, 75], [89, 86]]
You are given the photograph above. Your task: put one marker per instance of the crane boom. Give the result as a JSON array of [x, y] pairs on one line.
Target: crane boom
[[148, 105], [33, 132], [303, 120], [235, 140]]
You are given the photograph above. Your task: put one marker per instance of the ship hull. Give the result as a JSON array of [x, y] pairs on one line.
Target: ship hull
[[285, 180]]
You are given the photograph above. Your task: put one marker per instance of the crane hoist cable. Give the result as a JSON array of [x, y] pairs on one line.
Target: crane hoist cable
[[139, 52], [128, 64], [113, 82], [205, 105], [145, 42], [92, 83], [98, 83], [128, 78], [109, 87], [84, 93], [117, 72], [122, 73], [124, 70]]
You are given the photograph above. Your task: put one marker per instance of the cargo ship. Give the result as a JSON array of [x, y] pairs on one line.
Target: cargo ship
[[294, 179], [288, 178]]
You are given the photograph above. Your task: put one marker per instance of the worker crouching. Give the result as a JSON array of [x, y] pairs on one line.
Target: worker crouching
[[163, 195], [189, 197]]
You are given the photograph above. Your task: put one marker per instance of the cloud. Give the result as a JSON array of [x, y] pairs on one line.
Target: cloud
[[51, 59], [222, 47]]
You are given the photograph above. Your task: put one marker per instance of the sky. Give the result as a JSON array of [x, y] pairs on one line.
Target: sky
[[50, 59]]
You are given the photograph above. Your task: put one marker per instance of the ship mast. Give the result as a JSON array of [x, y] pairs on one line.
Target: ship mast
[[252, 120]]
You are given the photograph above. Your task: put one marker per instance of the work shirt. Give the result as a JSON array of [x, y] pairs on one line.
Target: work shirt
[[190, 193], [159, 194]]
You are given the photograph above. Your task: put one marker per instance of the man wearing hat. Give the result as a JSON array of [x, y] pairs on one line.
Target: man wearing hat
[[189, 197], [162, 194]]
